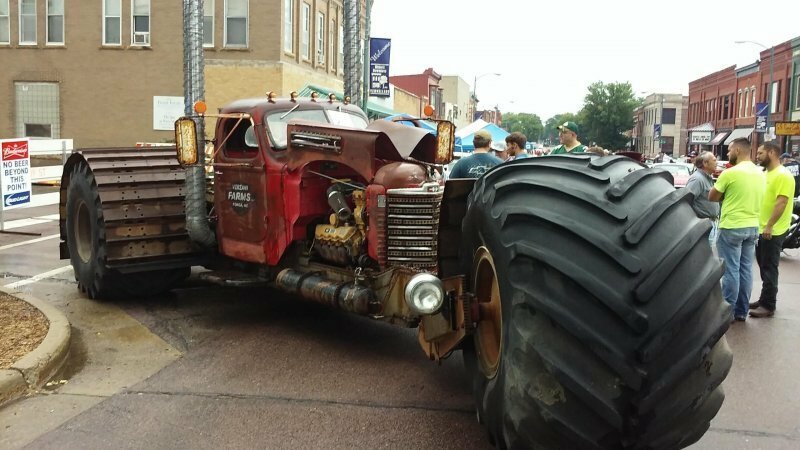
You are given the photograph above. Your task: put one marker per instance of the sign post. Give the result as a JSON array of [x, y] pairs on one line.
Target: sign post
[[379, 50], [15, 176]]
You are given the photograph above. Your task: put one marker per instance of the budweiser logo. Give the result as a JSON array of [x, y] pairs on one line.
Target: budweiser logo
[[15, 150]]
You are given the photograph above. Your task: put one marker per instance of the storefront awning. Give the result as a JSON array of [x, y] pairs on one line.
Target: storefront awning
[[739, 133], [718, 138], [704, 127]]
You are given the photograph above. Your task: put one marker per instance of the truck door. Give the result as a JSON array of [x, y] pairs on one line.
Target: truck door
[[240, 198]]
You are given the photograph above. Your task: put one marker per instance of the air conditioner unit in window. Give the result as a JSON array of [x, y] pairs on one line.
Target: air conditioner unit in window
[[141, 38]]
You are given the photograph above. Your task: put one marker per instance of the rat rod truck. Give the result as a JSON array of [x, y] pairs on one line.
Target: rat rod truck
[[581, 289]]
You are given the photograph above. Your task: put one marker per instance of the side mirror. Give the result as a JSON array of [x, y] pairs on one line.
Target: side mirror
[[445, 141], [186, 141]]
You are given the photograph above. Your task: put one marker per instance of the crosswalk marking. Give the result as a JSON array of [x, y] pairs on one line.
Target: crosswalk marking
[[31, 241], [39, 277]]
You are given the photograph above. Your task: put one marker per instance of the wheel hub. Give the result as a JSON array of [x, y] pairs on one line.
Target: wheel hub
[[489, 332], [83, 232]]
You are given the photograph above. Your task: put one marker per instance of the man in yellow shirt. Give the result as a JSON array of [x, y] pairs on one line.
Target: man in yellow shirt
[[776, 216], [743, 187]]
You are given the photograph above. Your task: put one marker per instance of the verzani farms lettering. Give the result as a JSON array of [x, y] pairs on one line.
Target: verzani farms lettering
[[240, 197]]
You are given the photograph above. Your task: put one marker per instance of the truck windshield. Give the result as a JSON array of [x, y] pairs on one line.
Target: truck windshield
[[276, 122]]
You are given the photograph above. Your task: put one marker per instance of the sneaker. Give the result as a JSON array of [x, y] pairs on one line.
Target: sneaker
[[761, 312], [755, 305]]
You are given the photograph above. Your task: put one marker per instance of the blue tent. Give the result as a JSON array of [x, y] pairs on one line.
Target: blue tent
[[498, 134], [424, 124]]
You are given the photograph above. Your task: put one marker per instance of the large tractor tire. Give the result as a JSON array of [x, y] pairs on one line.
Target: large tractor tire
[[601, 319], [86, 240]]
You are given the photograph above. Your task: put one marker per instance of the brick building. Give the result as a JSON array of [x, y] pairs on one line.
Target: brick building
[[425, 85], [110, 72], [724, 102]]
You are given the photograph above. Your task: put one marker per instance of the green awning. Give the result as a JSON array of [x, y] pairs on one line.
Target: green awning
[[374, 110]]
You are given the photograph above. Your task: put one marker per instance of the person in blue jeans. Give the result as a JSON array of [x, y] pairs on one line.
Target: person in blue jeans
[[741, 190]]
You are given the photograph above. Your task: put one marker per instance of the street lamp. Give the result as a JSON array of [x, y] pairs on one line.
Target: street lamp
[[475, 86], [771, 71]]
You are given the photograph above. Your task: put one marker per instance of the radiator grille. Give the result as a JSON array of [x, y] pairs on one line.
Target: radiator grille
[[412, 223]]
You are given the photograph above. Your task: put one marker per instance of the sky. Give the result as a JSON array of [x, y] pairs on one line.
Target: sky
[[548, 53]]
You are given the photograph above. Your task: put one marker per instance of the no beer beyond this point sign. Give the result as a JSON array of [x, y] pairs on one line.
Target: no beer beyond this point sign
[[15, 173]]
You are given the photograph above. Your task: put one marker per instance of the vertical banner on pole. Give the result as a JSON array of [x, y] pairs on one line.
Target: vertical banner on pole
[[379, 50], [761, 117], [15, 173]]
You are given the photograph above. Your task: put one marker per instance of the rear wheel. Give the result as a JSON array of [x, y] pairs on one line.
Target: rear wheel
[[87, 247], [601, 316]]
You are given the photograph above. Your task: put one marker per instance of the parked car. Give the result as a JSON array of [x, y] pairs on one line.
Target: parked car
[[721, 165], [680, 172]]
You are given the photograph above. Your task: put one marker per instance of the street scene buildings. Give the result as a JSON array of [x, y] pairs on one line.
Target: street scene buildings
[[301, 264]]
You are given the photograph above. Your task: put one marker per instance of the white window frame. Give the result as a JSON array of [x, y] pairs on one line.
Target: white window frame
[[7, 18], [753, 103], [340, 54], [106, 16], [797, 93], [320, 50], [63, 22], [288, 26], [35, 19], [747, 103], [208, 11], [773, 101], [331, 44], [305, 33], [741, 103], [141, 38], [246, 27]]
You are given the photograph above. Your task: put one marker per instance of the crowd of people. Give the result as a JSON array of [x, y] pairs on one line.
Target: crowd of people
[[750, 208], [489, 153], [752, 222]]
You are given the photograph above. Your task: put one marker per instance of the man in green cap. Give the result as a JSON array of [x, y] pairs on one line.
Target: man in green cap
[[568, 136]]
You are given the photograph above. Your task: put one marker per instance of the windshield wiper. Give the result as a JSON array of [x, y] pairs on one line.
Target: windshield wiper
[[290, 111]]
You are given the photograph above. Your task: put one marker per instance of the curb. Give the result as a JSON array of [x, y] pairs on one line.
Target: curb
[[32, 370]]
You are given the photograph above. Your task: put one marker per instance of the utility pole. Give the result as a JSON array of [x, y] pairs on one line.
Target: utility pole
[[352, 51]]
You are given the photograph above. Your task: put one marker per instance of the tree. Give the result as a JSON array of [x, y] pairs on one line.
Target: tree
[[550, 134], [607, 113], [528, 124]]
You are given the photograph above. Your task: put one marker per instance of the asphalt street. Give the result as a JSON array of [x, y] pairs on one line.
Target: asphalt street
[[212, 367]]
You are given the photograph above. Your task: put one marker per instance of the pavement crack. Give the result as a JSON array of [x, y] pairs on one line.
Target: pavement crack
[[754, 433], [362, 404]]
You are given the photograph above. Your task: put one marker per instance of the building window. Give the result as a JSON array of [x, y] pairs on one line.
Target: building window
[[305, 43], [747, 103], [332, 43], [236, 26], [320, 38], [36, 112], [208, 23], [773, 103], [5, 23], [753, 103], [112, 22], [797, 93], [27, 21], [288, 26], [668, 116], [55, 21], [340, 54], [741, 103], [140, 18]]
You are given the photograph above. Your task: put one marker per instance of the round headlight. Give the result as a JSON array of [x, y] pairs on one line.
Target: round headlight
[[424, 294]]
